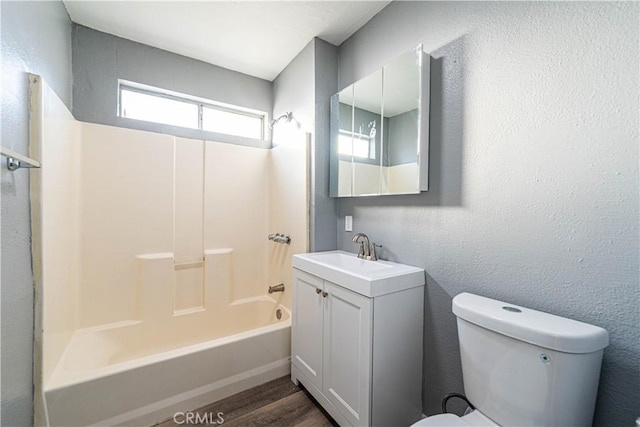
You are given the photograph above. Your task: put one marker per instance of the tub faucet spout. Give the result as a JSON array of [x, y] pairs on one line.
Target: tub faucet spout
[[276, 288]]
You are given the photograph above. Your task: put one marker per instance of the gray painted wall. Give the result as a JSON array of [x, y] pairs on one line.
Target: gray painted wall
[[293, 89], [403, 136], [534, 147], [533, 176], [100, 59], [323, 207], [36, 38]]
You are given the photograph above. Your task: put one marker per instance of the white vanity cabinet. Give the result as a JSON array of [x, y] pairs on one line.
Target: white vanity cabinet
[[331, 343], [359, 355]]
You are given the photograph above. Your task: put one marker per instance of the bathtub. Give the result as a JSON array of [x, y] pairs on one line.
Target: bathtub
[[138, 373]]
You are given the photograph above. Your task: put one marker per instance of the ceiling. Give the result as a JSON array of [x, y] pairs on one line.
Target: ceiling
[[258, 38]]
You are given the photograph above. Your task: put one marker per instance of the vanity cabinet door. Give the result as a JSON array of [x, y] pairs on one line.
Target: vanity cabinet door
[[307, 322], [347, 352]]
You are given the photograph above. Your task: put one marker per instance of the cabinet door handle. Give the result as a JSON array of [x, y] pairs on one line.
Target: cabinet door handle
[[324, 294], [318, 290]]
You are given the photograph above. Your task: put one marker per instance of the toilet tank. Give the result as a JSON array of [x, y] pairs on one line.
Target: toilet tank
[[525, 367]]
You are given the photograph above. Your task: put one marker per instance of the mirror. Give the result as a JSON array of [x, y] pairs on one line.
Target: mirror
[[379, 131]]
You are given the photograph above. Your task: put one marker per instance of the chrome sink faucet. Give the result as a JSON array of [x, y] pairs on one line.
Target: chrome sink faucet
[[367, 251], [364, 245]]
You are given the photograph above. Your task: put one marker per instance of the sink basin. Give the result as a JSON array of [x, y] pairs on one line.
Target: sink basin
[[349, 262], [369, 278]]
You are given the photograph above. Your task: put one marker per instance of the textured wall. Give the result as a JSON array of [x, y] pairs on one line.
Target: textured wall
[[36, 37], [100, 59], [323, 208], [534, 172], [293, 89], [304, 87]]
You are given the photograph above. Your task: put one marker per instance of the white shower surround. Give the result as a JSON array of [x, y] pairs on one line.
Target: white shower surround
[[151, 258]]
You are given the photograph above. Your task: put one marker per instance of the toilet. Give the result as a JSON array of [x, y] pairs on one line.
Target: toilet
[[523, 367]]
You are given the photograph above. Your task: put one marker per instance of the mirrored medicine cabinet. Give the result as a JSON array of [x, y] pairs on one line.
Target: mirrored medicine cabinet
[[380, 131]]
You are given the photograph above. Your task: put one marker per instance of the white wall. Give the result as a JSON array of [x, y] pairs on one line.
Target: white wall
[[237, 212], [127, 222], [149, 193], [374, 179], [304, 88], [288, 203], [127, 190], [55, 216], [533, 193]]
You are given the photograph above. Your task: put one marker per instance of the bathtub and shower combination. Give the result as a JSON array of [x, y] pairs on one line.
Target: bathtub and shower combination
[[138, 373], [152, 276]]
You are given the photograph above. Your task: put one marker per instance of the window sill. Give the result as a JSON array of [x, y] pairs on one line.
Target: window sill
[[189, 133]]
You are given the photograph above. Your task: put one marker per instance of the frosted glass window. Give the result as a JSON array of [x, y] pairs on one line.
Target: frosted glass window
[[232, 123], [141, 102], [151, 108]]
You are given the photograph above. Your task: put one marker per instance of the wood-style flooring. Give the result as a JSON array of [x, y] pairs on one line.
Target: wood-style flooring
[[277, 403]]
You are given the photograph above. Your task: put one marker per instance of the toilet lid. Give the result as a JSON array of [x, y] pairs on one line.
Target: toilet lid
[[443, 420]]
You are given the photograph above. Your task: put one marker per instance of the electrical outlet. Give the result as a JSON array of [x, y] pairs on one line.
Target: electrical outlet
[[348, 223]]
